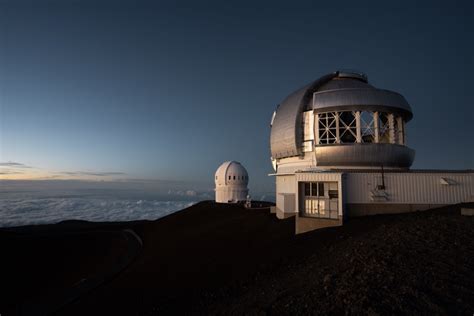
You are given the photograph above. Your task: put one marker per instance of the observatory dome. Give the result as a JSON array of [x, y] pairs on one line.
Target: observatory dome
[[341, 121], [231, 181]]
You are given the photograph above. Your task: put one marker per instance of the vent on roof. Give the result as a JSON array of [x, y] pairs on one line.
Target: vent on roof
[[354, 74]]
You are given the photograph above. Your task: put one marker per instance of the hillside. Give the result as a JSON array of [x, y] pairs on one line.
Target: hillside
[[223, 259]]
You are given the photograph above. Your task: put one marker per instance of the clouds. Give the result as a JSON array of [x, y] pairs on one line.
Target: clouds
[[140, 190], [95, 174], [10, 172], [12, 169], [202, 195], [17, 170], [47, 210], [13, 164], [25, 202]]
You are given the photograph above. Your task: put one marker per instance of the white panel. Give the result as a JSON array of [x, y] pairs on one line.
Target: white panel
[[284, 185], [308, 146], [308, 119], [411, 188], [318, 176]]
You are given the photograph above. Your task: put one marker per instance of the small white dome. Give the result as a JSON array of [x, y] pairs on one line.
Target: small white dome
[[231, 172], [231, 181]]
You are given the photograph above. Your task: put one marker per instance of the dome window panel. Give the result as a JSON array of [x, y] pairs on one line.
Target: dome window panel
[[367, 127], [337, 127], [347, 127], [384, 128], [400, 130], [327, 128]]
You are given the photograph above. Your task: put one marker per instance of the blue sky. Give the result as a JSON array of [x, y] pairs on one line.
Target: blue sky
[[169, 90]]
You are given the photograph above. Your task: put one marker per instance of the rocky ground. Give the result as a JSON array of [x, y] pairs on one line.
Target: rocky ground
[[223, 259], [421, 263]]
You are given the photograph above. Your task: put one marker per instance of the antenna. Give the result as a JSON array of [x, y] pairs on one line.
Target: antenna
[[383, 180]]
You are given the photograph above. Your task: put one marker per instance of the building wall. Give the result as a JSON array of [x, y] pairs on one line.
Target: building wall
[[410, 187], [364, 209], [224, 194], [285, 194], [360, 194]]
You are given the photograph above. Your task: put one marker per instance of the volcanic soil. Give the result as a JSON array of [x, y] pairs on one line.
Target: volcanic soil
[[225, 259]]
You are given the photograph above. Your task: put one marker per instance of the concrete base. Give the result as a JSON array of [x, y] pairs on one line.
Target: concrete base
[[354, 210], [273, 209], [306, 224], [467, 211], [282, 215]]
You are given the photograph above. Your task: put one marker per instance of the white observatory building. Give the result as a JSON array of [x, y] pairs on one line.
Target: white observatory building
[[339, 148], [231, 180]]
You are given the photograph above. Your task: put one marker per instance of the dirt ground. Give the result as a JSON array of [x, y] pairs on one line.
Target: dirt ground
[[224, 259]]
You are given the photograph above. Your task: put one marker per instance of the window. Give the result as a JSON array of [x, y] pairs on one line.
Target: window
[[384, 128], [346, 126], [319, 199], [234, 177], [314, 189], [367, 126], [229, 177], [337, 127], [320, 189], [327, 128]]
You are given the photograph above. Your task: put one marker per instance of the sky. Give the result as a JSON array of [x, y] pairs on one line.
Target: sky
[[167, 91]]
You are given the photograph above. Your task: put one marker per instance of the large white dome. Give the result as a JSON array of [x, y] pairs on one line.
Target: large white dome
[[231, 181]]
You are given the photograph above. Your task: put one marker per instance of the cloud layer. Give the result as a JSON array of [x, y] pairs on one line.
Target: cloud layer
[[29, 211], [17, 170], [97, 174], [13, 164]]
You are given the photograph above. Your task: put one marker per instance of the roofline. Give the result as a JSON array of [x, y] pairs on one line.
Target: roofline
[[470, 171]]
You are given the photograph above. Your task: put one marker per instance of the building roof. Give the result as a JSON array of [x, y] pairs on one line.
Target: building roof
[[231, 169]]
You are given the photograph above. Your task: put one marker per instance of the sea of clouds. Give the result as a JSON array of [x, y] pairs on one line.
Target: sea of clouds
[[19, 212], [31, 204], [24, 202]]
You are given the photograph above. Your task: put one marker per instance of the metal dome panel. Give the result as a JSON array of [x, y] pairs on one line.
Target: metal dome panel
[[345, 83], [365, 155], [361, 99], [286, 133]]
